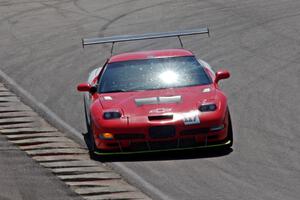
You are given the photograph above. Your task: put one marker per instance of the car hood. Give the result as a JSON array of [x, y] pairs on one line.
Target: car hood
[[158, 102]]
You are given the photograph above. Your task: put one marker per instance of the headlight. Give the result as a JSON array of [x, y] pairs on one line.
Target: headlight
[[208, 107], [111, 115]]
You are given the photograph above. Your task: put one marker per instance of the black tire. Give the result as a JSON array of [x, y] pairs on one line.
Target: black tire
[[88, 127], [229, 133], [91, 145], [88, 137]]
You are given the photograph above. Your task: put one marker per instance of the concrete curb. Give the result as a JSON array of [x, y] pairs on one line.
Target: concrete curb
[[69, 161]]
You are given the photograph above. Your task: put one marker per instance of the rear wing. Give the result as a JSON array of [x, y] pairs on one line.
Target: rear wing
[[146, 36]]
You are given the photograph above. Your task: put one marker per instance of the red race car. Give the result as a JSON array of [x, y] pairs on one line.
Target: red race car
[[158, 100]]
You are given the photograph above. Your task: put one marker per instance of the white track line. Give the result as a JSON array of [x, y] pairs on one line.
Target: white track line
[[145, 184], [55, 120]]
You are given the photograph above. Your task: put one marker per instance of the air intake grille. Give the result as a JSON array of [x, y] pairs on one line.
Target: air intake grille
[[128, 136], [162, 132], [160, 117], [197, 131]]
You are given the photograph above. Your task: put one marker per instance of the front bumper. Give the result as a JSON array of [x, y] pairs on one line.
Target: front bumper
[[161, 137], [191, 140]]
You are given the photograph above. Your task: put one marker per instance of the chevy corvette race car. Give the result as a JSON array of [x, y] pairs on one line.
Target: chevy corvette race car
[[157, 100]]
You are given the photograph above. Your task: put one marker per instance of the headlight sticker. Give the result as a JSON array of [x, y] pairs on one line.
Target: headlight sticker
[[107, 98], [191, 118]]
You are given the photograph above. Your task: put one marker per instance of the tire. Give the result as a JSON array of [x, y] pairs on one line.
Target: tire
[[88, 127], [91, 144], [88, 137], [229, 133]]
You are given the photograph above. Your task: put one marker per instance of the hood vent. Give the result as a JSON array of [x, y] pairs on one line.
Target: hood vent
[[157, 100], [160, 117]]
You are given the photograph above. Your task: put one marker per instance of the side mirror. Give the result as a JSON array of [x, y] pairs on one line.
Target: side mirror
[[86, 87], [221, 74]]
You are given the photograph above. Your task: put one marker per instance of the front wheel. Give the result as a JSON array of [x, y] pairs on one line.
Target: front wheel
[[229, 133], [90, 143], [88, 137], [92, 146]]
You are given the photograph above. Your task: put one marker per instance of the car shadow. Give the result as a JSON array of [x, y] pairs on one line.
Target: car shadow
[[162, 156]]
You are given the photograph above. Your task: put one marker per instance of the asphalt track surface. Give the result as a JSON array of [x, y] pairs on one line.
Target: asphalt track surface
[[256, 40]]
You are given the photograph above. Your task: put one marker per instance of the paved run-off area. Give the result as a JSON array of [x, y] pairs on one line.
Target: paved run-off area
[[22, 178], [256, 40]]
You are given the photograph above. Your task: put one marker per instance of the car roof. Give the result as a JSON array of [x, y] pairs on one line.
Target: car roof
[[142, 55]]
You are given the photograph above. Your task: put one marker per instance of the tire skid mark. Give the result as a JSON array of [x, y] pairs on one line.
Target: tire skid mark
[[30, 10], [262, 23], [45, 5], [62, 11], [66, 159], [105, 26], [56, 8], [263, 76], [76, 4], [10, 3], [110, 22], [115, 4], [254, 23], [22, 13], [87, 13]]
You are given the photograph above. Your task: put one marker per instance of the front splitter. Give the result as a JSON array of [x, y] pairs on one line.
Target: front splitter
[[163, 150]]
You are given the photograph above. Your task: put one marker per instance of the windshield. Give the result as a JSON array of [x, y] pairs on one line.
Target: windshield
[[151, 74]]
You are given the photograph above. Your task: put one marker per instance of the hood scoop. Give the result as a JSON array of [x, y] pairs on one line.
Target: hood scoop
[[160, 117], [157, 100]]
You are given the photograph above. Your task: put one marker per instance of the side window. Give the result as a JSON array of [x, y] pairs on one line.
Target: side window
[[93, 76], [100, 72]]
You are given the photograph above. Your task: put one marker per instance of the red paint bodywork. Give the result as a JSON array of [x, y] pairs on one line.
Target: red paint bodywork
[[135, 119]]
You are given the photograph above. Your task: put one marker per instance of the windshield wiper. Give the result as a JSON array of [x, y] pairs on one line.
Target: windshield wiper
[[112, 91]]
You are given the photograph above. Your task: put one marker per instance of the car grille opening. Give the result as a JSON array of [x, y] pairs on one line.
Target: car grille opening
[[112, 144], [161, 145], [129, 136], [212, 137], [158, 132], [197, 131]]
